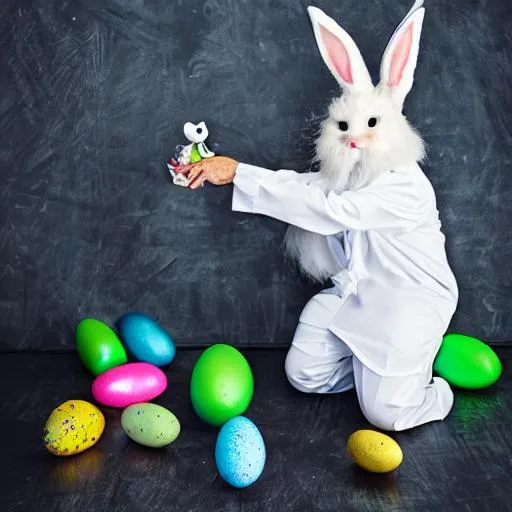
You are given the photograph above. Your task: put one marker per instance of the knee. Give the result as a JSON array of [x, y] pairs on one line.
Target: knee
[[297, 373], [431, 404], [380, 415]]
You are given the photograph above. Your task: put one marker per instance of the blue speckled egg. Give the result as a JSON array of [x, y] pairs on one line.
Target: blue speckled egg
[[146, 340], [240, 452]]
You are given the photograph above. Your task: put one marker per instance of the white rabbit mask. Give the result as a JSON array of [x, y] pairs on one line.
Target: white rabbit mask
[[365, 130]]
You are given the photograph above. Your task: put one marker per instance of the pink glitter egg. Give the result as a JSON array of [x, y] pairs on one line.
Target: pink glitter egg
[[129, 384]]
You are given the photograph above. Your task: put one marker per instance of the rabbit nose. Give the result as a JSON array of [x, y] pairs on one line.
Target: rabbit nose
[[352, 144]]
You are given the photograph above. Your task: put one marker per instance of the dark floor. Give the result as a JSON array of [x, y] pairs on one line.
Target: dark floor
[[463, 463]]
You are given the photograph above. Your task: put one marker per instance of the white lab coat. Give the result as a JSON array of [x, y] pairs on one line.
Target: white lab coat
[[397, 289]]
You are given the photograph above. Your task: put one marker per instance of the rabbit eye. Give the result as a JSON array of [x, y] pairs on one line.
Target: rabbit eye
[[199, 130], [343, 126], [372, 122]]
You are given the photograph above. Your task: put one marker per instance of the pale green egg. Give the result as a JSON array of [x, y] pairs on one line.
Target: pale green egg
[[150, 424]]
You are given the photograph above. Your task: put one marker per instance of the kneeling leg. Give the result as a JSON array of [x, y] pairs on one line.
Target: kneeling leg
[[318, 361], [400, 403]]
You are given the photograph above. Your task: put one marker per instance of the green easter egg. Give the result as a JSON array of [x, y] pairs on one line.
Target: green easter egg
[[98, 346], [467, 362], [222, 384], [150, 424]]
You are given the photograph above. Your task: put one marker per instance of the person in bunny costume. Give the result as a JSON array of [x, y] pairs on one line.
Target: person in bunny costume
[[367, 220]]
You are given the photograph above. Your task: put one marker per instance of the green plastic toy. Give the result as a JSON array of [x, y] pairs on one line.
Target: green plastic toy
[[467, 362], [222, 384], [98, 346], [190, 154]]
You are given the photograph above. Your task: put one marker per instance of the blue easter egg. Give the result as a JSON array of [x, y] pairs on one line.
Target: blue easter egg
[[240, 452], [146, 340]]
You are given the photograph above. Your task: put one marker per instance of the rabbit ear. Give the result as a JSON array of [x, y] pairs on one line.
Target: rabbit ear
[[339, 52], [399, 59]]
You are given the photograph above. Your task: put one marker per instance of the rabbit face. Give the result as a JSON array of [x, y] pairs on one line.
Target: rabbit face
[[365, 127], [360, 121], [368, 129]]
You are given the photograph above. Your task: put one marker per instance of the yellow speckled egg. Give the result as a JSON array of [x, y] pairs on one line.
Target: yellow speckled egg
[[374, 451], [73, 427]]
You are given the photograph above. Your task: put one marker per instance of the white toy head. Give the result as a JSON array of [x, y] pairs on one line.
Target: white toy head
[[195, 132], [365, 130]]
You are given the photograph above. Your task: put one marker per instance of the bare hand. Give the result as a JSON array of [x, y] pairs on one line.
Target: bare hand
[[218, 170]]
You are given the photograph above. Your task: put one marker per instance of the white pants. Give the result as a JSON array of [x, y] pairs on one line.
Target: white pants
[[319, 362]]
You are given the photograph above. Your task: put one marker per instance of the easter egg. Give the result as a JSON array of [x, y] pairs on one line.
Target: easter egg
[[240, 452], [374, 451], [150, 425], [222, 384], [467, 362], [73, 427], [129, 384], [98, 346], [146, 340]]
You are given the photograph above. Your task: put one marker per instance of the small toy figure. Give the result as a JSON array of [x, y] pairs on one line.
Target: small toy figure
[[191, 154]]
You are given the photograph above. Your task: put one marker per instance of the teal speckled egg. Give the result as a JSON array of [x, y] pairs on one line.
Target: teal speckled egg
[[150, 424], [240, 452]]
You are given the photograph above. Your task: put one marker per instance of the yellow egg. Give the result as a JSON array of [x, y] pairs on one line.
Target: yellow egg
[[73, 427], [374, 451]]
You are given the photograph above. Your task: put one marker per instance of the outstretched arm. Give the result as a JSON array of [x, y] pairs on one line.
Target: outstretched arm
[[390, 202]]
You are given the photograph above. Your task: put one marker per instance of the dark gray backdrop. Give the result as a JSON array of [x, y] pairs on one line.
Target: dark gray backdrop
[[94, 94]]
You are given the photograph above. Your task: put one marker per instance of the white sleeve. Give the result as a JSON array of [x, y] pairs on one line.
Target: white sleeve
[[391, 202]]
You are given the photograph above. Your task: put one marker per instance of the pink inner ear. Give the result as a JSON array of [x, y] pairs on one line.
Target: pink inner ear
[[338, 55], [400, 56]]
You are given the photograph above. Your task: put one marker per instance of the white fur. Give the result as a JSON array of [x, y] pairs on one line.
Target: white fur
[[413, 18], [362, 79], [392, 143]]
